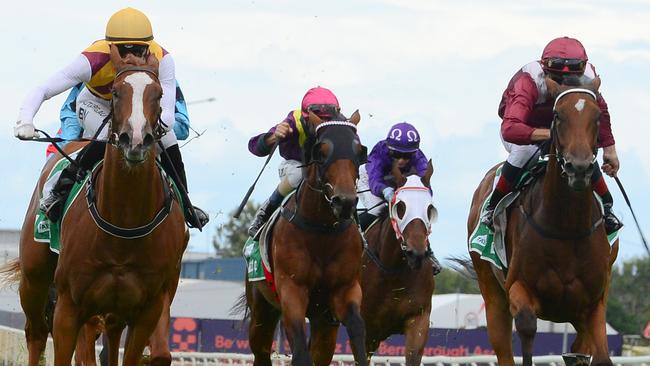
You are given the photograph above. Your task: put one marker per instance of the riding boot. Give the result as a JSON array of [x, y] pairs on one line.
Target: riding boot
[[264, 213], [91, 154], [172, 163], [612, 223], [365, 219], [435, 264], [509, 175]]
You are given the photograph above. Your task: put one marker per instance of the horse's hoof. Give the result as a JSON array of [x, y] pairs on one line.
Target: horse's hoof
[[576, 359]]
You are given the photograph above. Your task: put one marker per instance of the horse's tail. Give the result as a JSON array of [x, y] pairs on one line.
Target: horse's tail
[[464, 266], [10, 273], [241, 306]]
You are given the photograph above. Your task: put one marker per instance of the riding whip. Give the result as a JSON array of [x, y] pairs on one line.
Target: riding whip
[[250, 190], [638, 227]]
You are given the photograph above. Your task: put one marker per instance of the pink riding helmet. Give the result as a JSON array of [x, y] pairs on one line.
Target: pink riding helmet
[[318, 96]]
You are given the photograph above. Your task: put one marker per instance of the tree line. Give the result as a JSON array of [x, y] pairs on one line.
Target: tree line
[[628, 309]]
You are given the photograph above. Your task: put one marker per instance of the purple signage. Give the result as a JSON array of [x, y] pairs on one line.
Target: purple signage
[[210, 335]]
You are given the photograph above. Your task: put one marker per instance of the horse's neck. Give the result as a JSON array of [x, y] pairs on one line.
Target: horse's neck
[[562, 207], [128, 197], [388, 246], [312, 204]]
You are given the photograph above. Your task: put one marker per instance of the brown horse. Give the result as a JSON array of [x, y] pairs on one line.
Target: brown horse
[[316, 251], [129, 268], [559, 259], [397, 288]]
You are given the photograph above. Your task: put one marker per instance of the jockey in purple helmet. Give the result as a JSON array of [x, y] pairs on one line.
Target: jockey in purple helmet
[[376, 183], [291, 135]]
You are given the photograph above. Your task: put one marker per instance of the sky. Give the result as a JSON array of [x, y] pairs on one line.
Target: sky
[[440, 65]]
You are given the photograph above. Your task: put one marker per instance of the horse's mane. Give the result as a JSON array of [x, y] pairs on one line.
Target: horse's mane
[[134, 60]]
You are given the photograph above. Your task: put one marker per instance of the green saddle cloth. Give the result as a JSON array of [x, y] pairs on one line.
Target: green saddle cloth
[[49, 232], [254, 260]]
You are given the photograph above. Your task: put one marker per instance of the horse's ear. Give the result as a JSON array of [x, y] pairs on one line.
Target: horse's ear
[[116, 59], [355, 118], [314, 120], [152, 62], [553, 87], [595, 84], [426, 179], [400, 180]]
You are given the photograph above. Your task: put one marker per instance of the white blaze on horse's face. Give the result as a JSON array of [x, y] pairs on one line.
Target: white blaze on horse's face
[[137, 119], [580, 105], [419, 205]]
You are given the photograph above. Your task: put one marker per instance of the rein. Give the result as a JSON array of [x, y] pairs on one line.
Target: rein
[[559, 236], [121, 232]]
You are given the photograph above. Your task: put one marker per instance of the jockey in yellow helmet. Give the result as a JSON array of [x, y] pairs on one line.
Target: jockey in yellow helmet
[[130, 31]]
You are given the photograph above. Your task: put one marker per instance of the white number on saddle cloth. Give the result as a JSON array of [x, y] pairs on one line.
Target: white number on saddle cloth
[[418, 201]]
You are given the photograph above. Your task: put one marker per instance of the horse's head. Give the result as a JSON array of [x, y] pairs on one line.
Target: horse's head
[[336, 152], [412, 213], [135, 105], [574, 131]]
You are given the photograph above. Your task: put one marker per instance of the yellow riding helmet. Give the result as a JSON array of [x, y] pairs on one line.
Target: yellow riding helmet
[[129, 26]]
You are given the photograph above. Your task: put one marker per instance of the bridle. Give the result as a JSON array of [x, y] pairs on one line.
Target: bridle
[[559, 156]]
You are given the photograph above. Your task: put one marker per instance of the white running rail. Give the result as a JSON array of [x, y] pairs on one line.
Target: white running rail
[[13, 352]]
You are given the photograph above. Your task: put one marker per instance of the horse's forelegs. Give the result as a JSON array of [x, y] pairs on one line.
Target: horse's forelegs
[[521, 308], [67, 323], [347, 307], [592, 337], [114, 330], [322, 342], [264, 319], [140, 331], [293, 299], [416, 331], [160, 355], [85, 349]]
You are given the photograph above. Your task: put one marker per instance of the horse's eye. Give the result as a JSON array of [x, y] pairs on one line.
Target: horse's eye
[[401, 209], [115, 94]]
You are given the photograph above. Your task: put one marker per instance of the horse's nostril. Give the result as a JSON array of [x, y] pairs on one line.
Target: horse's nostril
[[148, 140], [124, 139]]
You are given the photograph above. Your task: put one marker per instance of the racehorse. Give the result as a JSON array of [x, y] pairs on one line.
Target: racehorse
[[123, 258], [397, 288], [559, 258], [315, 255]]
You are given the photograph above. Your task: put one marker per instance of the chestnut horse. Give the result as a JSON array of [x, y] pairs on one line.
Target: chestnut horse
[[315, 255], [397, 287], [129, 268], [559, 258]]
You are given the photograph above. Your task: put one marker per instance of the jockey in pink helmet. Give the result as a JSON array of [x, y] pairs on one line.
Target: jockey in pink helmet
[[291, 135], [527, 113]]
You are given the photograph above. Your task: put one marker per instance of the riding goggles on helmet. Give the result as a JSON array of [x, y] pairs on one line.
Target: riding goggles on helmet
[[323, 110], [137, 50], [400, 155], [564, 65]]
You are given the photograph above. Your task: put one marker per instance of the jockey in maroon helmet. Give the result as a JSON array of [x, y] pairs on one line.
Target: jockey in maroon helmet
[[527, 113]]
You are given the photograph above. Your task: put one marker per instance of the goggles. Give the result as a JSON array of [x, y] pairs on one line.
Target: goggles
[[564, 65]]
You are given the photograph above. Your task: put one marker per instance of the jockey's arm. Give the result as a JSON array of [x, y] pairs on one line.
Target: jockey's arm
[[78, 71], [518, 105], [167, 77]]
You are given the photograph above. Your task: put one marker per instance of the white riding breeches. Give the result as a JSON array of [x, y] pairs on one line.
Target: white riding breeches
[[291, 170], [520, 154], [374, 204], [92, 110]]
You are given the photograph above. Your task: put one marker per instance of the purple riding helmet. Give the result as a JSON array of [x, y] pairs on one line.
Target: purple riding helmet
[[403, 137]]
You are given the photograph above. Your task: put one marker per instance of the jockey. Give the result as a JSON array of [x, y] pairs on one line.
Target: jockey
[[527, 113], [376, 183], [71, 128], [291, 135], [129, 30]]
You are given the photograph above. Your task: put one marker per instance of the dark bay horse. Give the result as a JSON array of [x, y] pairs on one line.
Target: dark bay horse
[[559, 258], [128, 270], [396, 286], [315, 255]]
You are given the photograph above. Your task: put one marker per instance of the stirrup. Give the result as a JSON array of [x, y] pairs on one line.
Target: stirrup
[[52, 206], [196, 218], [487, 218]]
